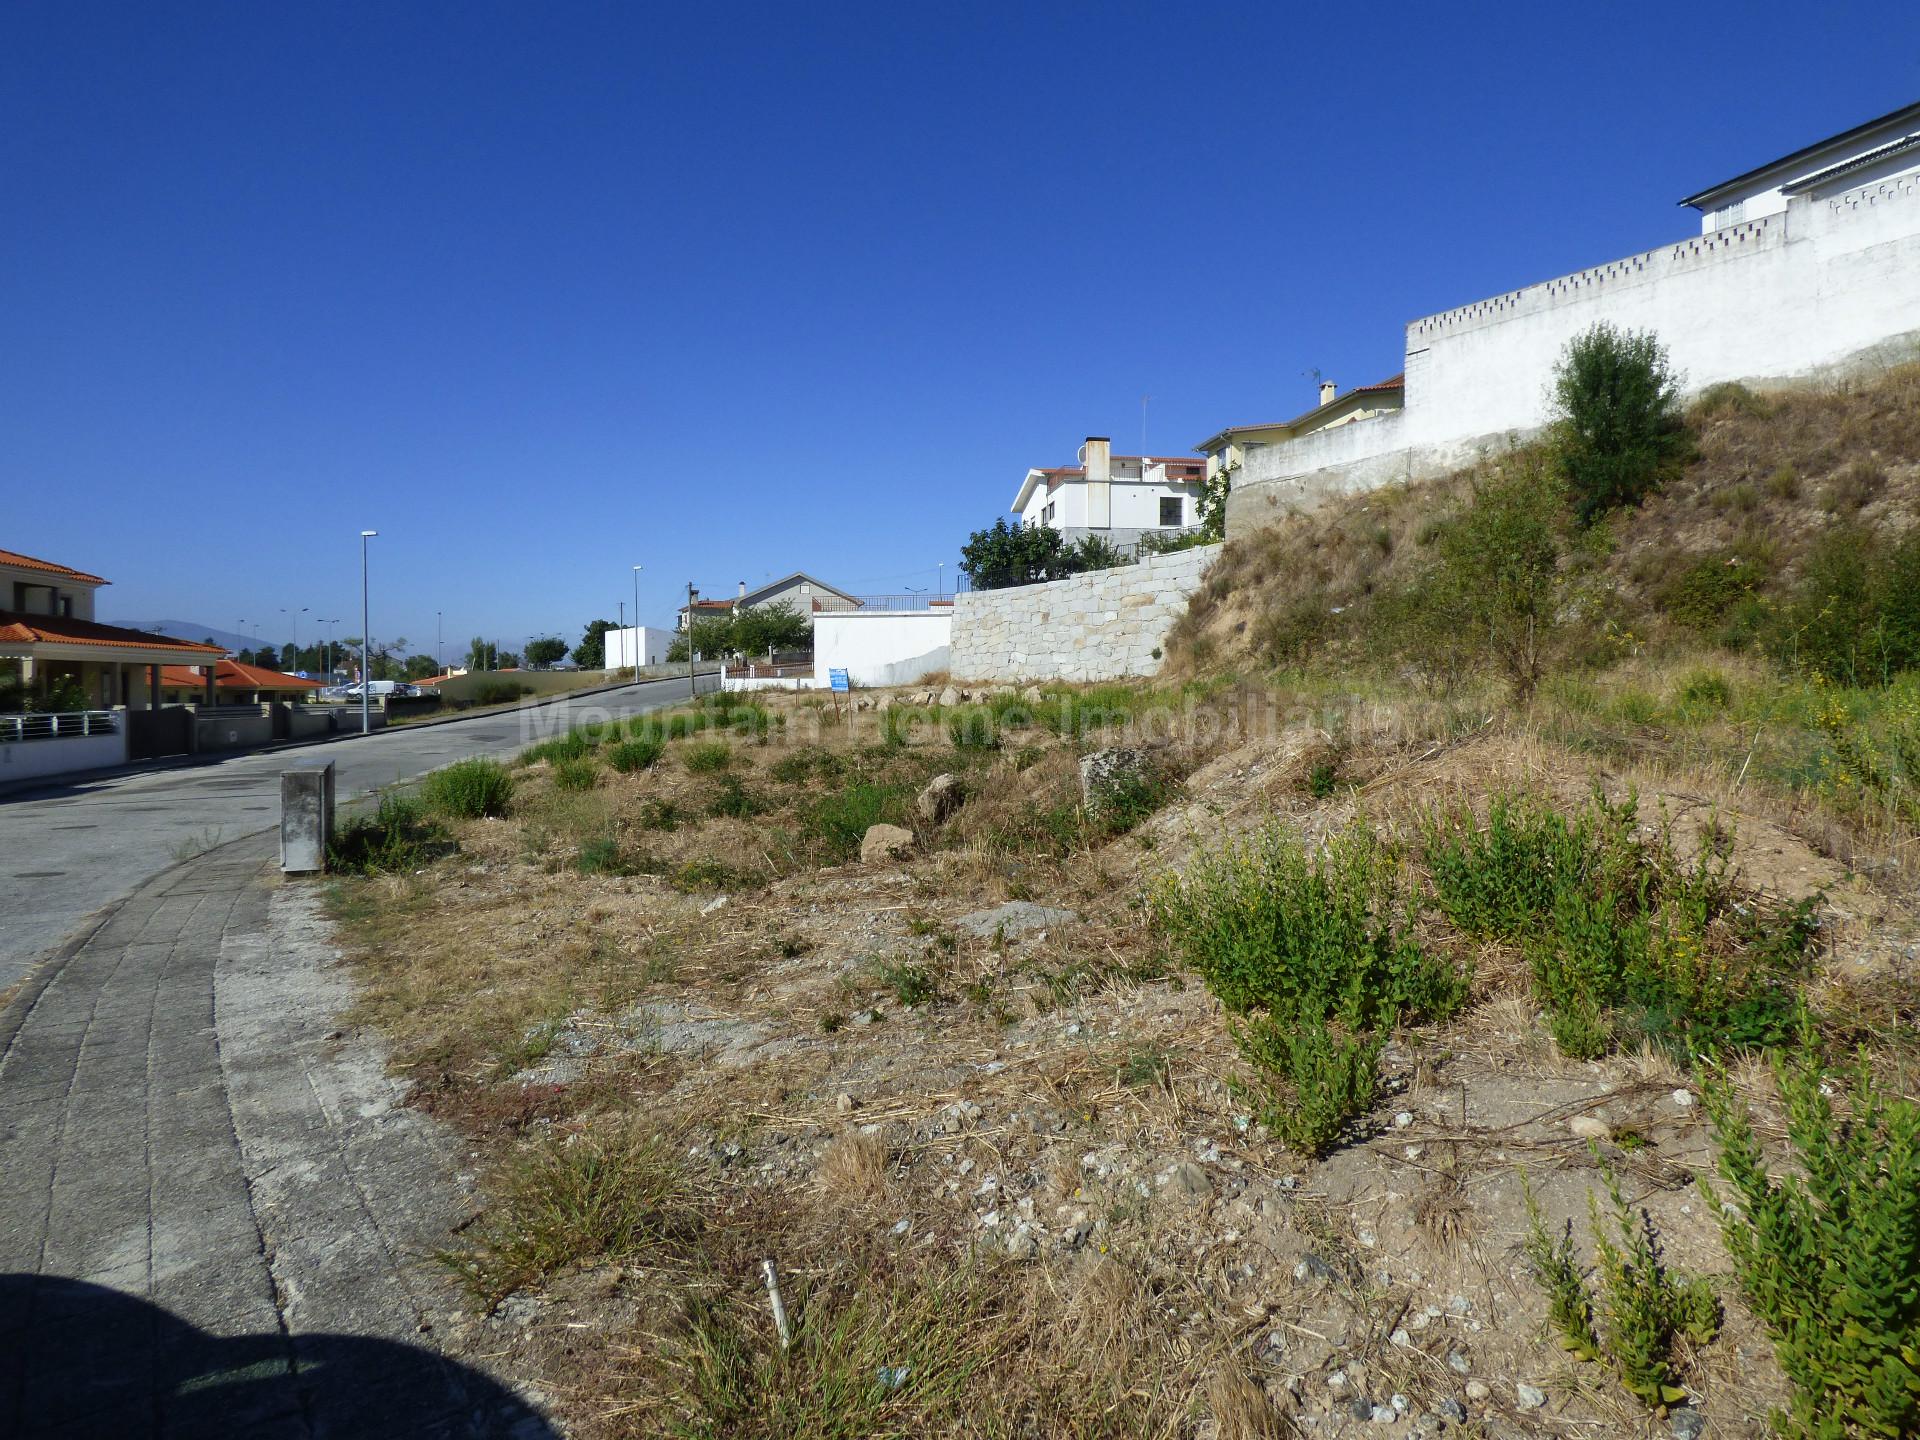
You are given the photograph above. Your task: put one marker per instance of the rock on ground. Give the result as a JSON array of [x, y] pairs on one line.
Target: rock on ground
[[1016, 917], [885, 842], [942, 796]]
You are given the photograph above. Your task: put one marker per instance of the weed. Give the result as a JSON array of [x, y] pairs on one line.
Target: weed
[[627, 756], [1784, 483], [796, 767], [1643, 1308], [1143, 1067], [397, 838], [708, 757], [1706, 688], [469, 789], [602, 857], [1826, 1256], [595, 1195], [1323, 777], [657, 814], [831, 1021], [580, 774], [712, 875], [1619, 931], [838, 821], [973, 729], [1569, 1307], [1307, 945], [570, 746], [732, 799], [912, 985]]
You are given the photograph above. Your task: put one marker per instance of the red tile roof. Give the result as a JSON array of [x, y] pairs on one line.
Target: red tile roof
[[232, 675], [19, 629], [65, 572]]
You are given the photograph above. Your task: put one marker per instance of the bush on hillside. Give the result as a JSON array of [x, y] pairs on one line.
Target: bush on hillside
[[1495, 591], [1022, 554], [469, 789], [1854, 616], [1620, 432]]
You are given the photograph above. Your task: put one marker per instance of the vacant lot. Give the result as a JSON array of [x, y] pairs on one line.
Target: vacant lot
[[1017, 1110]]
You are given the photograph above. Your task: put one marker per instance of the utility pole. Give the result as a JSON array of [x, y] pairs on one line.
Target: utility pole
[[692, 685], [439, 646]]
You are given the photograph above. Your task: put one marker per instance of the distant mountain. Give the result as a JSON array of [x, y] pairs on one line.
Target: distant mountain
[[194, 630]]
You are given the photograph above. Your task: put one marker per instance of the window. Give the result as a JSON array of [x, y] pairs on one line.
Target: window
[[1170, 510], [1046, 515]]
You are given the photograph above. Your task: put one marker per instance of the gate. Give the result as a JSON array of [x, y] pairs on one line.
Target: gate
[[153, 733]]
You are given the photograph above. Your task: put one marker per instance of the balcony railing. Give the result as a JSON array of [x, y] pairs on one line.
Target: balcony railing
[[58, 725]]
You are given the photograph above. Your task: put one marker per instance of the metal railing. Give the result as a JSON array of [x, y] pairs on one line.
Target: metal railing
[[913, 601], [58, 725]]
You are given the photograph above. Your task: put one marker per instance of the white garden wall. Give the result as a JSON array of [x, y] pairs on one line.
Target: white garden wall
[[1832, 282], [881, 647]]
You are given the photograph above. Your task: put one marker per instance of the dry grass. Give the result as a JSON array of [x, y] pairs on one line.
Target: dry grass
[[1001, 1209]]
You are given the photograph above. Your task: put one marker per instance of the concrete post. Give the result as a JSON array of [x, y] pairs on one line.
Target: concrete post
[[306, 816]]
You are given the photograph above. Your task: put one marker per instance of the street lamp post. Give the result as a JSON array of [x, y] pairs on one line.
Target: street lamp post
[[439, 645], [296, 614], [940, 578], [636, 621], [366, 674]]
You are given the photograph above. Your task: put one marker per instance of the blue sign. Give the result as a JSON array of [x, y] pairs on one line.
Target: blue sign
[[838, 680]]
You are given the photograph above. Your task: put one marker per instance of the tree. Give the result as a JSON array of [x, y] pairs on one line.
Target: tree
[[482, 654], [1004, 554], [1497, 588], [549, 650], [591, 652], [781, 626], [1617, 405], [711, 634], [419, 667]]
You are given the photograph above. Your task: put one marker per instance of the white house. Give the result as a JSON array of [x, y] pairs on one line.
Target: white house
[[1120, 498], [1806, 265]]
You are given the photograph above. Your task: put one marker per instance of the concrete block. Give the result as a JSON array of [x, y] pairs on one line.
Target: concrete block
[[306, 816]]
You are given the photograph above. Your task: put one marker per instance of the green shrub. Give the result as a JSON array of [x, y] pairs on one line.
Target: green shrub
[[657, 814], [973, 728], [627, 756], [732, 799], [1854, 616], [396, 839], [912, 985], [1828, 1254], [1494, 591], [581, 774], [603, 857], [708, 757], [1642, 1306], [1864, 771], [1617, 404], [838, 822], [1706, 688], [1330, 1079], [1306, 944], [570, 746], [1730, 397], [469, 789], [1619, 932], [796, 767], [713, 875]]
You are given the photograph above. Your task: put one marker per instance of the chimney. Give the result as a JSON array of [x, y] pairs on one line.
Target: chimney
[[1097, 456], [1327, 391], [743, 589]]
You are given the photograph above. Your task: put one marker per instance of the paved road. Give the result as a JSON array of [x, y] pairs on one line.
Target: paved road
[[217, 1220], [67, 851]]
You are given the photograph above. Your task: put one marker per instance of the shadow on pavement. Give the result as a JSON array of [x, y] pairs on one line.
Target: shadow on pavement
[[81, 1360]]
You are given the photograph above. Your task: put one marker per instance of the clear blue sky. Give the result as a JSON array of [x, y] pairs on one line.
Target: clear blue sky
[[541, 291]]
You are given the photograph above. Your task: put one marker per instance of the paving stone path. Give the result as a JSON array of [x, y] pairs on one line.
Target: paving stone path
[[216, 1217]]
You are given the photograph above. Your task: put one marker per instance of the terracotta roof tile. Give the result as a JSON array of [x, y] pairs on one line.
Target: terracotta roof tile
[[66, 572], [232, 675], [64, 630]]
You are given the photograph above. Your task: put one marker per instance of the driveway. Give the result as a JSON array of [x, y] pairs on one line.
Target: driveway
[[68, 850]]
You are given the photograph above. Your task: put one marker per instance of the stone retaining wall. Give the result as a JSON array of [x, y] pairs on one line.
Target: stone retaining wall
[[1104, 625]]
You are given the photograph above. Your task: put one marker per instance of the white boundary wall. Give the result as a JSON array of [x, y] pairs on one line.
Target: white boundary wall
[[40, 759], [649, 642], [1832, 282], [1103, 625], [880, 647]]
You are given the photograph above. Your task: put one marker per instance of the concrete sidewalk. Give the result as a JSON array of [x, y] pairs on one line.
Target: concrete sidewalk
[[216, 1215]]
